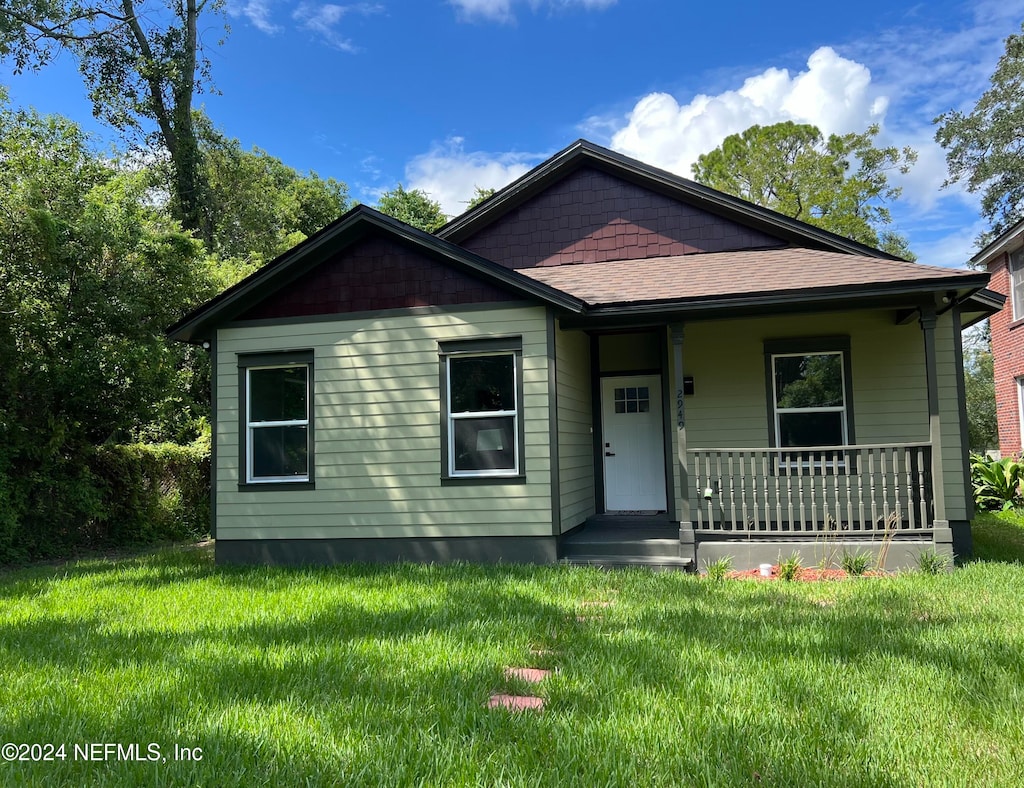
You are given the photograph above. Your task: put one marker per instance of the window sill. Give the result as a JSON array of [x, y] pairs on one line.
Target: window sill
[[275, 486], [456, 481], [1015, 324]]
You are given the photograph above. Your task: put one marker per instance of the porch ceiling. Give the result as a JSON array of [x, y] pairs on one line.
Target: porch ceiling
[[792, 272]]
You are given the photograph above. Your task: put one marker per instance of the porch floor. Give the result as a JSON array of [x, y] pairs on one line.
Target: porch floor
[[611, 540]]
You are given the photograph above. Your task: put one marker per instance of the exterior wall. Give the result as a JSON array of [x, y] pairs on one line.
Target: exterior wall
[[591, 216], [372, 274], [378, 435], [575, 427], [729, 407], [1007, 360]]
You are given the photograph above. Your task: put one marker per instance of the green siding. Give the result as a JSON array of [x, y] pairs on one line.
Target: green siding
[[575, 427], [378, 433]]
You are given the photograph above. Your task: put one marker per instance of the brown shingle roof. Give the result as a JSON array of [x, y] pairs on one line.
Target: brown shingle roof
[[731, 274]]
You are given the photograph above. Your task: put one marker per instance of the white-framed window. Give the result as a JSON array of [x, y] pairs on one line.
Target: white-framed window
[[1016, 267], [809, 399], [482, 420], [277, 409]]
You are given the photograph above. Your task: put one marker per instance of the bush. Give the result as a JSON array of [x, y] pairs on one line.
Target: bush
[[104, 497], [996, 483], [152, 492]]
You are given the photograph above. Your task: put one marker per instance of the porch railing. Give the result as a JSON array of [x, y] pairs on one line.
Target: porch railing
[[860, 489]]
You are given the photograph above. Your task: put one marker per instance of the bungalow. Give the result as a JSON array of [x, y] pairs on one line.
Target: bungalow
[[603, 362]]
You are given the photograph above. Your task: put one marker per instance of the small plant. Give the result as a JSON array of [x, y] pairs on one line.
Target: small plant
[[855, 563], [932, 562], [790, 568], [996, 483], [719, 568]]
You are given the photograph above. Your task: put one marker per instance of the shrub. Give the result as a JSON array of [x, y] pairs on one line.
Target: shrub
[[932, 562], [855, 563], [790, 568], [996, 483], [719, 568]]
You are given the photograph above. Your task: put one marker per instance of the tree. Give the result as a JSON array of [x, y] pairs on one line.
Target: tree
[[261, 206], [479, 196], [983, 147], [90, 274], [142, 61], [980, 389], [412, 207], [840, 184]]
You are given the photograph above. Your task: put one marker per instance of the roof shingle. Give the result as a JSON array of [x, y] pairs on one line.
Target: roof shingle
[[730, 274]]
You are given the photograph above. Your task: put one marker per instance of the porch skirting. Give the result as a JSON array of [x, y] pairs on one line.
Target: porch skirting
[[424, 550]]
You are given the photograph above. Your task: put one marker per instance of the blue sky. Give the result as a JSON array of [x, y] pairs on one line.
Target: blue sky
[[448, 95]]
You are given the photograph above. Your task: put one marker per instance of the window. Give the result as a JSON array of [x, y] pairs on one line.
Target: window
[[276, 418], [1017, 283], [481, 385], [632, 400], [809, 392]]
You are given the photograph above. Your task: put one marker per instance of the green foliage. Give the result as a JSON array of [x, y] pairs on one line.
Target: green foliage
[[983, 146], [91, 274], [142, 62], [996, 483], [840, 184], [151, 492], [998, 536], [791, 568], [412, 207], [260, 206], [856, 563], [719, 568], [980, 394], [479, 195], [931, 562]]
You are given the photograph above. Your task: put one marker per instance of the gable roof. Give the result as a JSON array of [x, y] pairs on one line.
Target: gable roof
[[353, 226], [583, 153], [1009, 240], [787, 274]]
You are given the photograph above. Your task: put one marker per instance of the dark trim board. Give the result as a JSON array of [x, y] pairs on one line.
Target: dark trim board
[[420, 550]]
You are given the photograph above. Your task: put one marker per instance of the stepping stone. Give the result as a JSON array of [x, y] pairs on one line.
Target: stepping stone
[[532, 675], [515, 702]]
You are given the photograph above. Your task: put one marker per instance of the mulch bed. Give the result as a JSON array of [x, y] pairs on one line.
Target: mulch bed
[[808, 574]]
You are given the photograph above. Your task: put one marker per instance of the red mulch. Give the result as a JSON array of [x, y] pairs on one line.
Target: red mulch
[[808, 574]]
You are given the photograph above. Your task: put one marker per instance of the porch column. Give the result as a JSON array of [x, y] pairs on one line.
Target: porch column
[[687, 547], [928, 321]]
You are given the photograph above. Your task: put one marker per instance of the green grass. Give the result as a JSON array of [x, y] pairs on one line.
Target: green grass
[[379, 676], [999, 536]]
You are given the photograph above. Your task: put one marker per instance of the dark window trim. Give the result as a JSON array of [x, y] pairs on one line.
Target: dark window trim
[[480, 347], [792, 345], [282, 359]]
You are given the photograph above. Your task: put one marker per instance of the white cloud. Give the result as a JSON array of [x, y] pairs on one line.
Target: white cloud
[[449, 174], [833, 93], [325, 20], [501, 10], [257, 12]]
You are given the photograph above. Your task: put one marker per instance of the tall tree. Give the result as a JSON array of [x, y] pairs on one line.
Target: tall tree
[[840, 183], [90, 274], [262, 207], [412, 207], [983, 146], [143, 63]]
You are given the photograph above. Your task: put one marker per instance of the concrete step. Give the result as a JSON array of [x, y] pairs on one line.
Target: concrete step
[[668, 548], [611, 562]]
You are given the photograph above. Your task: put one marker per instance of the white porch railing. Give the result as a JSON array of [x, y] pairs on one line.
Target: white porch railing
[[859, 489]]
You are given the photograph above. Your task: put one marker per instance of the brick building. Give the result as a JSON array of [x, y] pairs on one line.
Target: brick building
[[1004, 260]]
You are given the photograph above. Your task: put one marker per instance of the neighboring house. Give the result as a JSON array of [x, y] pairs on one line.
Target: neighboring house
[[600, 348], [1003, 258]]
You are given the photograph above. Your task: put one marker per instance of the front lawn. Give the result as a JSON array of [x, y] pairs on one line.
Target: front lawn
[[380, 676]]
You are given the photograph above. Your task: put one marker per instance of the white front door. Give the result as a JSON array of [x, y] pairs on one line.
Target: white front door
[[633, 444]]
